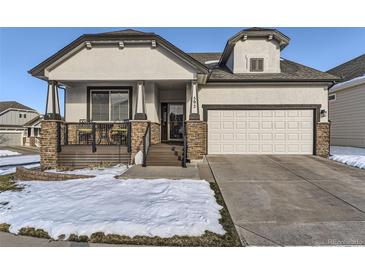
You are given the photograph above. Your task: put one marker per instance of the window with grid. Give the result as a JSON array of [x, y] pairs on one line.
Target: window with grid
[[257, 64], [109, 105]]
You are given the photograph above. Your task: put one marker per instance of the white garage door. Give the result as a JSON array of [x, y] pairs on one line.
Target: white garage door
[[260, 131]]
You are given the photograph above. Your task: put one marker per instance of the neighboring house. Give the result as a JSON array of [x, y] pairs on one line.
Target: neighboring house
[[347, 104], [13, 119], [134, 90]]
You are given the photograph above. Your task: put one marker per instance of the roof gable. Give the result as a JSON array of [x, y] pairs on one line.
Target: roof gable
[[290, 71], [124, 36], [282, 39]]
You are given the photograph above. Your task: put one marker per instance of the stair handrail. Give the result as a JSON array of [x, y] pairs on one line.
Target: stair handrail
[[146, 144], [185, 150]]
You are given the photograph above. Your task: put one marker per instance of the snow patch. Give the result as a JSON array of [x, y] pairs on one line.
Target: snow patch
[[351, 156], [138, 159], [161, 207], [19, 160], [8, 164], [10, 170], [5, 152]]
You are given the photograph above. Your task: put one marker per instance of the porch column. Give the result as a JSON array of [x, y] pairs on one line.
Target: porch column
[[194, 105], [52, 104], [140, 107], [31, 132]]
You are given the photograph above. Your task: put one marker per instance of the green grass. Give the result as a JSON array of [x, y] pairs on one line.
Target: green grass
[[7, 183]]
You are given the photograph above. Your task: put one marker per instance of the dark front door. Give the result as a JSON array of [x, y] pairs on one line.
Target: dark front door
[[172, 121]]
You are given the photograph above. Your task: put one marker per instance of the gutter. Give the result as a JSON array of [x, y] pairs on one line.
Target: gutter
[[348, 84]]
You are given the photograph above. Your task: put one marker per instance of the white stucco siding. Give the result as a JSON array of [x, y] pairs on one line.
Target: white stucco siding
[[75, 103], [263, 95], [256, 48], [347, 116], [151, 102], [140, 62]]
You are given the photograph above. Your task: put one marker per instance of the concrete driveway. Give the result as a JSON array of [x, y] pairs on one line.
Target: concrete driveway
[[292, 200]]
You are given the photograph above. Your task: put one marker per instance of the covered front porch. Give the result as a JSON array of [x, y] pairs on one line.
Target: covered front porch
[[123, 90], [110, 122]]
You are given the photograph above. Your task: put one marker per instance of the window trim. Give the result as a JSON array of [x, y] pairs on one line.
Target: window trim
[[257, 59], [334, 98], [108, 89]]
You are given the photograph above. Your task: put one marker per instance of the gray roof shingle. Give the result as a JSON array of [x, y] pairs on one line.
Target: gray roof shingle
[[290, 71], [4, 105], [351, 69]]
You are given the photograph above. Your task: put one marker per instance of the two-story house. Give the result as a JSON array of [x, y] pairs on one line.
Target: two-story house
[[19, 124]]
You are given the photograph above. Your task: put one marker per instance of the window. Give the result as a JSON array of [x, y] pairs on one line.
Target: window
[[109, 105], [100, 106], [332, 97], [20, 115], [256, 64], [24, 115]]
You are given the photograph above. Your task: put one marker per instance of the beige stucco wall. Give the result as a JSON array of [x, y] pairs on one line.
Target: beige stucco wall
[[263, 94], [347, 116], [134, 62], [256, 48], [76, 98]]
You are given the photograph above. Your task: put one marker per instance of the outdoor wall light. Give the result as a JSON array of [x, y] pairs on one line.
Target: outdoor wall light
[[323, 113]]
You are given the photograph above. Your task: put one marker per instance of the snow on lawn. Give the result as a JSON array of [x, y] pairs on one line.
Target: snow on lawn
[[5, 152], [161, 207], [12, 169], [351, 156], [8, 164]]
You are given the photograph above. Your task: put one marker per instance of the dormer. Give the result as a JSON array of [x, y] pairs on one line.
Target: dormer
[[254, 50]]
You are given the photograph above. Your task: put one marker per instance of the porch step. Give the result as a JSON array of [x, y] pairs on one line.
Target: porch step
[[164, 155]]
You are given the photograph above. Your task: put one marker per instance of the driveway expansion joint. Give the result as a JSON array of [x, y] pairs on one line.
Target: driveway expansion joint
[[308, 181]]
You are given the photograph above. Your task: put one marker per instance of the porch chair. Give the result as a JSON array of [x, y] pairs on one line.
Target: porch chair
[[84, 132]]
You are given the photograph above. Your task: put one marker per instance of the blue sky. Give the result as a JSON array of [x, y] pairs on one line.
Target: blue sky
[[23, 48]]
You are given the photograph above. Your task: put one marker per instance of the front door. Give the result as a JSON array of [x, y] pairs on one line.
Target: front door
[[172, 121]]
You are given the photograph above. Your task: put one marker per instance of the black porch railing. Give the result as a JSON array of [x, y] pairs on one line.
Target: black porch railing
[[94, 134], [146, 144]]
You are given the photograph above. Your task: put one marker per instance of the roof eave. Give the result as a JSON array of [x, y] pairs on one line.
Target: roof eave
[[324, 81], [37, 71]]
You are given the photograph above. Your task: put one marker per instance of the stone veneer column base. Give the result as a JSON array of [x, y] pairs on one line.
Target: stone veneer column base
[[48, 140], [138, 129], [155, 133], [196, 136], [323, 139]]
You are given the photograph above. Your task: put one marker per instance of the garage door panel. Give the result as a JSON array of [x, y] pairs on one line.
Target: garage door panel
[[260, 132]]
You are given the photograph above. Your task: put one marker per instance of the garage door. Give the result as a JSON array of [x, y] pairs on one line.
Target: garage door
[[10, 138], [260, 131]]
